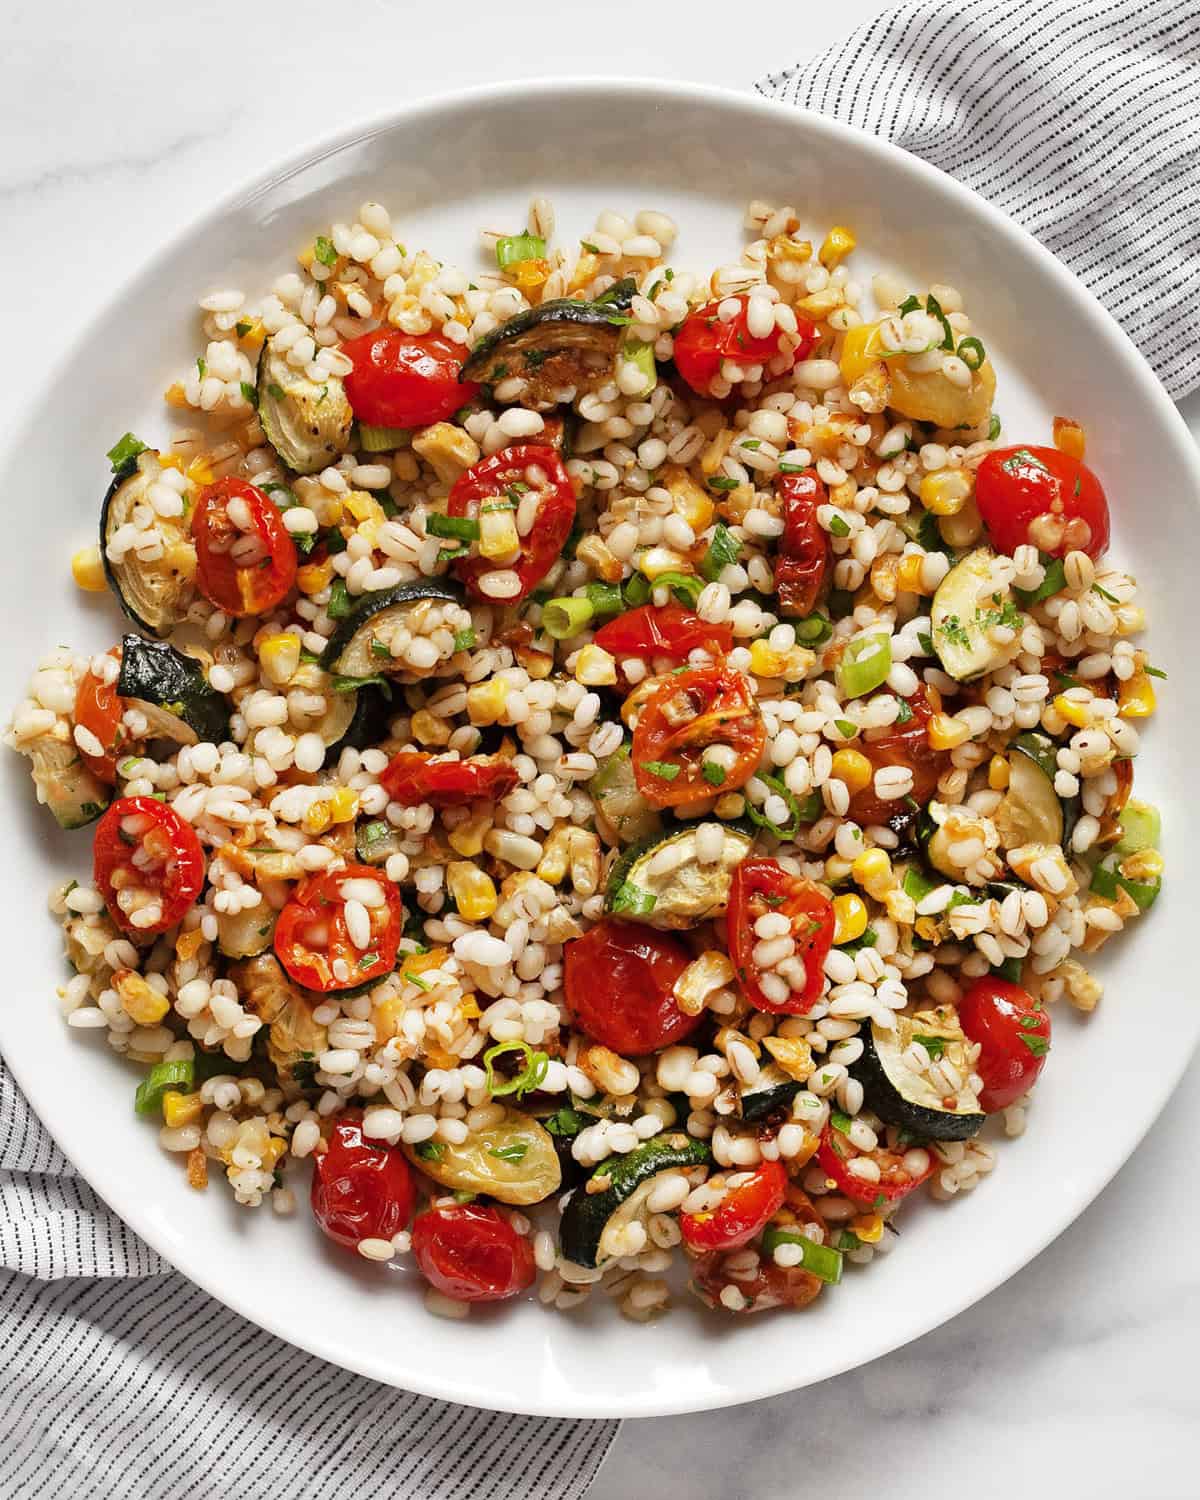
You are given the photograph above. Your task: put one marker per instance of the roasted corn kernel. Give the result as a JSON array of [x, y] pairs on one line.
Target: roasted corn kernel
[[850, 917]]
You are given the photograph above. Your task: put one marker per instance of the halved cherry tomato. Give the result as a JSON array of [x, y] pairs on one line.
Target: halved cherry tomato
[[706, 340], [405, 379], [312, 940], [900, 744], [760, 886], [1043, 498], [663, 630], [771, 1285], [1013, 1033], [412, 777], [472, 1253], [361, 1189], [899, 1171], [619, 979], [168, 875], [507, 478], [686, 714], [99, 710], [739, 1216], [245, 556], [803, 559]]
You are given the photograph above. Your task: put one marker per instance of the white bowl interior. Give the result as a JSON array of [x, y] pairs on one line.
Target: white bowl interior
[[445, 170]]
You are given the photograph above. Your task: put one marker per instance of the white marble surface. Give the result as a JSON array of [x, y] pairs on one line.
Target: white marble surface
[[119, 123]]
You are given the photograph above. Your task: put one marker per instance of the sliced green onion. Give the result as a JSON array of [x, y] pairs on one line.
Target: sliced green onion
[[1141, 828], [637, 590], [566, 1121], [865, 663], [124, 451], [934, 308], [994, 425], [972, 353], [722, 550], [605, 598], [838, 527], [917, 885], [821, 1261], [514, 248], [465, 528], [179, 1075], [910, 304], [685, 586], [814, 630], [565, 617], [847, 728], [339, 600], [796, 813], [1054, 581], [641, 354], [465, 639], [633, 899], [382, 439], [527, 1079], [840, 1121]]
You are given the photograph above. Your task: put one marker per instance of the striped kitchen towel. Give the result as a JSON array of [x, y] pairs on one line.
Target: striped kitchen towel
[[120, 1380], [1079, 118]]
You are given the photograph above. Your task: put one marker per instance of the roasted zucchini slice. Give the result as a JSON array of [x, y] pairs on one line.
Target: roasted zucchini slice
[[306, 422], [965, 608], [662, 881], [155, 594], [361, 645], [172, 692], [63, 781], [772, 1090], [904, 1095], [513, 1161], [1032, 811], [623, 815]]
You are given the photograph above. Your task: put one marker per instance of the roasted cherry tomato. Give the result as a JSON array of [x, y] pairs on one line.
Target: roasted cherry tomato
[[742, 1212], [901, 744], [619, 979], [361, 1189], [771, 1285], [413, 777], [245, 556], [148, 896], [405, 379], [899, 1172], [507, 482], [706, 340], [99, 710], [472, 1253], [312, 935], [803, 559], [687, 714], [1013, 1033], [1043, 498], [663, 630], [762, 886]]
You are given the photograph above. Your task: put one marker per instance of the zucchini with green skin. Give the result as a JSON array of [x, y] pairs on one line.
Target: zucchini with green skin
[[965, 608], [172, 692], [1031, 811], [375, 618], [902, 1095], [622, 1183], [560, 344], [621, 810], [63, 781], [771, 1091], [307, 422], [155, 594], [662, 881]]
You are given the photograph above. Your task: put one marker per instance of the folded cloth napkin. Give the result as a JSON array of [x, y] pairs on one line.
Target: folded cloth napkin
[[120, 1379], [1079, 118]]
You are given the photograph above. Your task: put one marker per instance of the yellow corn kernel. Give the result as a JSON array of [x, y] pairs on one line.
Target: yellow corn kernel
[[868, 1227], [529, 274], [467, 838], [279, 656], [272, 1151], [447, 449], [498, 539], [313, 577], [88, 571], [1136, 698], [998, 773], [421, 963], [852, 767], [428, 729], [1074, 713], [657, 560], [473, 891], [332, 510], [254, 337], [316, 819], [860, 350], [793, 1055], [946, 733], [850, 916], [872, 869], [199, 471], [605, 564], [140, 1001], [837, 245], [468, 1008], [908, 574], [946, 492], [485, 700], [837, 868], [307, 256], [1069, 437], [585, 269], [556, 854], [343, 805], [691, 502], [181, 1109], [594, 667], [363, 506], [1145, 865], [175, 395], [713, 455], [765, 661], [1131, 619]]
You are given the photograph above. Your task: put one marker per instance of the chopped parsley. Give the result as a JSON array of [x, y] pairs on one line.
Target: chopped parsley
[[905, 713], [722, 550], [953, 630], [846, 728], [515, 1152], [431, 1150], [249, 393], [465, 639], [325, 251], [713, 773], [838, 527], [1038, 1045], [934, 1045], [663, 769]]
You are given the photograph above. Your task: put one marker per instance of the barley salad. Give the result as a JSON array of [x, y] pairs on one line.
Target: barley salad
[[616, 765]]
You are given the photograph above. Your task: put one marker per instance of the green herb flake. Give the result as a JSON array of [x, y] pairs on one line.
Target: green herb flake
[[721, 482], [514, 1153], [1038, 1045], [1104, 594], [712, 773], [325, 251], [633, 899], [839, 1121], [201, 367], [465, 639], [934, 1045], [249, 393], [845, 728], [1155, 672], [431, 1150], [838, 527], [905, 714], [663, 769], [275, 391], [124, 451]]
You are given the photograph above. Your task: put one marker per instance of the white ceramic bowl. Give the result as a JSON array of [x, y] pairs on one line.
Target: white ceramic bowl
[[445, 169]]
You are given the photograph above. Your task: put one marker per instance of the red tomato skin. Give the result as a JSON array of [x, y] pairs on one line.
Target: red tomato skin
[[900, 745], [618, 978], [999, 1016], [412, 778], [890, 1190], [184, 880], [241, 591], [472, 1253], [726, 712], [1015, 487], [405, 379], [803, 561], [740, 1214], [705, 341], [361, 1190], [99, 709], [773, 1286], [813, 925], [541, 549], [317, 899], [663, 630]]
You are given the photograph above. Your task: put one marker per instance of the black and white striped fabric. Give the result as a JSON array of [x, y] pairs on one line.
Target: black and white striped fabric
[[120, 1379], [1079, 118]]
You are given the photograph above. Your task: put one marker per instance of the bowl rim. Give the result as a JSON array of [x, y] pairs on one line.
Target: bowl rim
[[653, 92]]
